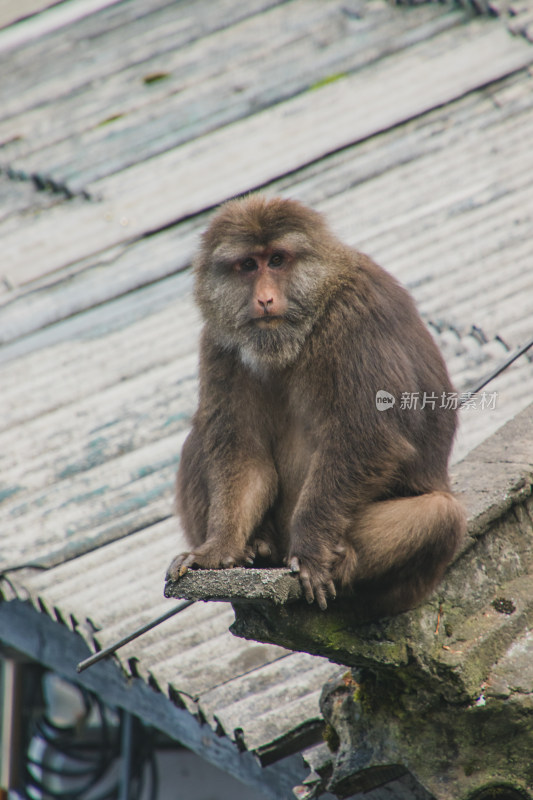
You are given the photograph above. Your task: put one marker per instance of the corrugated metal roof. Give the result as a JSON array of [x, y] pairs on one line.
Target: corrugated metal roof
[[409, 128]]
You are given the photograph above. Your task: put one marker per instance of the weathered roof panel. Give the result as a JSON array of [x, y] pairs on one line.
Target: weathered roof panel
[[143, 198], [424, 163]]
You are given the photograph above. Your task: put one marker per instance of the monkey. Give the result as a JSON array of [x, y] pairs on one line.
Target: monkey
[[290, 459]]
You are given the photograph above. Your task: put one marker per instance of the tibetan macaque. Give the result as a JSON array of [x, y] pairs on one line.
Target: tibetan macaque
[[292, 458]]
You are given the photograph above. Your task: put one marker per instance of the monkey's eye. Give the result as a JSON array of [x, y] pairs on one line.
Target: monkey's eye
[[276, 260], [248, 265]]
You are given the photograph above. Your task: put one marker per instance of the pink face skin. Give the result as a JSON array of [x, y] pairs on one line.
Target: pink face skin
[[267, 270]]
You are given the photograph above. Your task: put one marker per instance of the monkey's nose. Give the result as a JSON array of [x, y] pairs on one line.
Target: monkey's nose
[[265, 303]]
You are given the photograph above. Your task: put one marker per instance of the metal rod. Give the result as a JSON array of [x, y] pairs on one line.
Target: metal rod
[[488, 378], [107, 651], [126, 739]]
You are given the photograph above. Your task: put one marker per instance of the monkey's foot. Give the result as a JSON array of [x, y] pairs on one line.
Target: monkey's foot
[[207, 557], [264, 549], [317, 582], [264, 543]]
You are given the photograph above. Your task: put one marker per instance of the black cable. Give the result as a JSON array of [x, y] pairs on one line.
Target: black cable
[[66, 773], [58, 740], [87, 762], [498, 370]]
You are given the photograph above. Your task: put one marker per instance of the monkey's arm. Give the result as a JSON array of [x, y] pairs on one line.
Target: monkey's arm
[[227, 480], [242, 493]]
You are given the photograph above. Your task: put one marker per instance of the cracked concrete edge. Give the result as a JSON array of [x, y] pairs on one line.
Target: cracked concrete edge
[[279, 586]]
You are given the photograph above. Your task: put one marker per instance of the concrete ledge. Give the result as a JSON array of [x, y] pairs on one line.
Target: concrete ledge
[[277, 586]]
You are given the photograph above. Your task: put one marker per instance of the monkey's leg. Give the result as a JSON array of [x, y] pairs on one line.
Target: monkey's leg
[[403, 546], [316, 524]]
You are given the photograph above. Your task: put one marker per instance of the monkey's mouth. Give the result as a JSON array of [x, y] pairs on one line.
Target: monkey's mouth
[[267, 321]]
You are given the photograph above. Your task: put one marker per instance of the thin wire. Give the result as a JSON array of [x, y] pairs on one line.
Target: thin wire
[[503, 366], [88, 662]]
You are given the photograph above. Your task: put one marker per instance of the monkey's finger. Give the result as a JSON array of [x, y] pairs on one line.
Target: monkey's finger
[[294, 564], [332, 591], [320, 595], [307, 587], [187, 560], [174, 569]]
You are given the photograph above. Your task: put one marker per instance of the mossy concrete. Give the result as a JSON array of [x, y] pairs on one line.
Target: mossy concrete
[[388, 718]]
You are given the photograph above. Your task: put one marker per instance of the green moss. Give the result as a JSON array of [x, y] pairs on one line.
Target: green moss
[[331, 737], [337, 76], [155, 77], [109, 120]]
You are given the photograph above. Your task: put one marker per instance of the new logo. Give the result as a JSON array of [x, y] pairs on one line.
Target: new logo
[[384, 400]]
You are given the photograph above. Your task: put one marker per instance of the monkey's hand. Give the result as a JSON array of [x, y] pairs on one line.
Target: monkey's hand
[[316, 580], [208, 556]]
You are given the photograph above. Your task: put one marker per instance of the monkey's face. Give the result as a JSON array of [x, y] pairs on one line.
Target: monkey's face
[[262, 276], [257, 302], [261, 281]]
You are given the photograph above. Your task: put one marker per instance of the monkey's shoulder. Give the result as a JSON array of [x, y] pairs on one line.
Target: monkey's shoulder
[[367, 301]]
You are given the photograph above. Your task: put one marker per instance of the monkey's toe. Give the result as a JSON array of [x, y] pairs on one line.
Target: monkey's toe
[[263, 549], [189, 561], [248, 557], [315, 584]]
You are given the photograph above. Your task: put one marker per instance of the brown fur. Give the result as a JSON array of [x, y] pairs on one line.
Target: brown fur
[[288, 458]]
